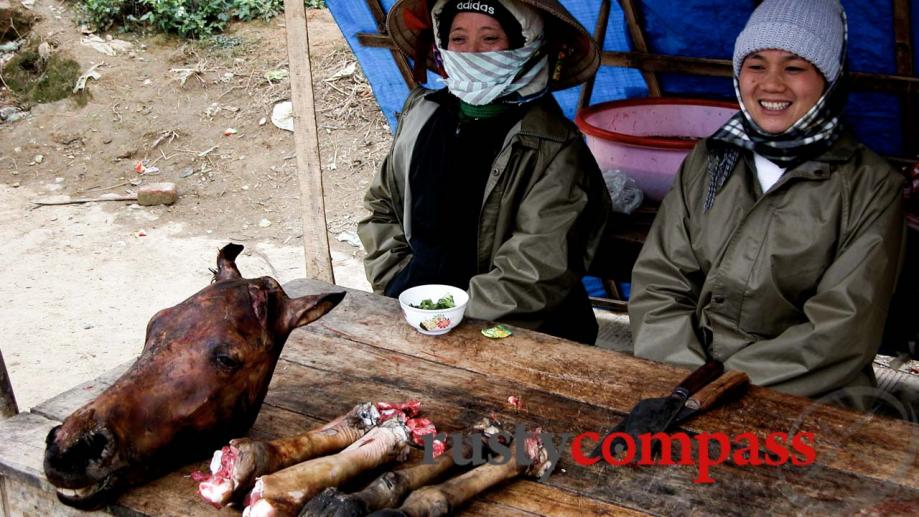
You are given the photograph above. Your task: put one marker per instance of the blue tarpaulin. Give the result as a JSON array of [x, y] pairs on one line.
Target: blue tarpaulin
[[696, 28]]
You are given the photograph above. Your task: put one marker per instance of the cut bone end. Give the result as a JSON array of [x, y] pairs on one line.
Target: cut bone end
[[536, 452], [217, 489], [217, 492], [261, 508]]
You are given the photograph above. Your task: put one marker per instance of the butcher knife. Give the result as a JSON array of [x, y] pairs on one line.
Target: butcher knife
[[657, 414]]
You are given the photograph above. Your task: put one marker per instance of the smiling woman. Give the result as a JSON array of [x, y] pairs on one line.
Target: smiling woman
[[778, 88], [776, 252], [488, 187]]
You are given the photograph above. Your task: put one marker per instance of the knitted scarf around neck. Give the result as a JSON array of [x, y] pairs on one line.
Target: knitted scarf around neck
[[806, 139]]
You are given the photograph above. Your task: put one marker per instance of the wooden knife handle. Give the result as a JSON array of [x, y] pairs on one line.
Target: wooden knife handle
[[724, 387], [702, 376]]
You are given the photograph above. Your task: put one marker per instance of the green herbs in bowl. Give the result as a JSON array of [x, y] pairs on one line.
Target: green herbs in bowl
[[445, 302], [432, 317]]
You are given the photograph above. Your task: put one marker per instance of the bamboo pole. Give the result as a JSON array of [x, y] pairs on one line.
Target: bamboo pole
[[903, 47], [587, 90], [8, 405], [633, 17], [306, 143]]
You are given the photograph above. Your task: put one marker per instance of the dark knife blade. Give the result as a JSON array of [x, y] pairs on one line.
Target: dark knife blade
[[655, 415]]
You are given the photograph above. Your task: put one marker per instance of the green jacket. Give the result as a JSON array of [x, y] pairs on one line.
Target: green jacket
[[791, 287], [543, 213]]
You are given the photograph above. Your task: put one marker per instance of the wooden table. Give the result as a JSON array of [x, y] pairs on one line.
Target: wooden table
[[363, 350]]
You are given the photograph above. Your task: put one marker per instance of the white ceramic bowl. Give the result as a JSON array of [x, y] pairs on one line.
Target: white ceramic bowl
[[433, 322]]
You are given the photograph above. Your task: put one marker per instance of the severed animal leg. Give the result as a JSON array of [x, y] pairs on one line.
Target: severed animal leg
[[235, 467], [446, 498], [386, 491], [286, 491]]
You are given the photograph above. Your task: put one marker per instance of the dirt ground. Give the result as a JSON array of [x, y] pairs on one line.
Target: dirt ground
[[80, 281]]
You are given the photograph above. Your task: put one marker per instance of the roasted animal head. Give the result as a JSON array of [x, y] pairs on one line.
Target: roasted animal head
[[199, 381]]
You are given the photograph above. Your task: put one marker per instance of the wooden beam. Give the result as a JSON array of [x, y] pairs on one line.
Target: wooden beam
[[909, 114], [8, 405], [367, 39], [723, 68], [379, 16], [587, 90], [306, 142], [633, 17], [663, 63], [902, 37]]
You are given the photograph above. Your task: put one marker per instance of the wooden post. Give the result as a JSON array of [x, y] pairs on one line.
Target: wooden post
[[633, 18], [8, 405], [306, 142], [599, 35], [379, 16], [903, 48]]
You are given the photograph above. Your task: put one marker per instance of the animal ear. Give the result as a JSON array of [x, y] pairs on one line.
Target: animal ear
[[301, 311], [226, 263]]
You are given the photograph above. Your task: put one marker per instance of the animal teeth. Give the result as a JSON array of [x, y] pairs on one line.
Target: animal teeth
[[774, 106], [78, 492]]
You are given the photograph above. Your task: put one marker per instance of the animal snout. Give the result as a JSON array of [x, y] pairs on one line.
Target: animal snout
[[80, 459]]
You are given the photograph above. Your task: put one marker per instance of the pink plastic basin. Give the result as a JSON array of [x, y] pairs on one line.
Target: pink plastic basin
[[648, 138]]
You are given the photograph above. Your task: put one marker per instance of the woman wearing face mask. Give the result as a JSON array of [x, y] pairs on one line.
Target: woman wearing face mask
[[488, 187], [777, 249]]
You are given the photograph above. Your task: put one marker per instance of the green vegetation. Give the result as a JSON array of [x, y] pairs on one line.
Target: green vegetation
[[187, 18], [444, 303], [36, 81]]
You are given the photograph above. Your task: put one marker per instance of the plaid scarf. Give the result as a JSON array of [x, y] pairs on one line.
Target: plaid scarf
[[807, 138]]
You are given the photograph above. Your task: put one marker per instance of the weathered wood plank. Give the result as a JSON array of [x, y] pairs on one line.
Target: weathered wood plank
[[306, 143], [662, 490], [23, 499], [22, 448], [535, 497], [363, 351], [872, 446]]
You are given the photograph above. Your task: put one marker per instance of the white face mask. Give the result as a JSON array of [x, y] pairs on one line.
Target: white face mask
[[479, 78]]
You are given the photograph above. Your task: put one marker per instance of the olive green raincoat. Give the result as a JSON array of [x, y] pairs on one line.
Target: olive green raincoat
[[543, 213], [791, 286]]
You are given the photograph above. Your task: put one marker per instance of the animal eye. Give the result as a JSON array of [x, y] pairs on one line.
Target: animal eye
[[225, 360]]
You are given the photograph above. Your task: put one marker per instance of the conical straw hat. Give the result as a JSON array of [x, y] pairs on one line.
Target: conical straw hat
[[570, 45]]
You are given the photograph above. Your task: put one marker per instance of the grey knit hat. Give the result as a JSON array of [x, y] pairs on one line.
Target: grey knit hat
[[812, 29]]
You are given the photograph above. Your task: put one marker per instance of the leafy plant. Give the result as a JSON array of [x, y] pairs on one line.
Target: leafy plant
[[106, 13], [187, 18], [261, 9]]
